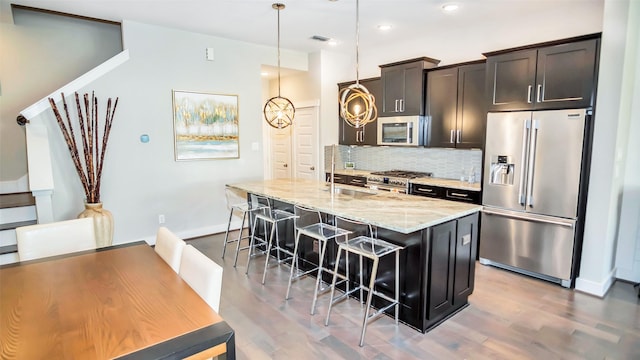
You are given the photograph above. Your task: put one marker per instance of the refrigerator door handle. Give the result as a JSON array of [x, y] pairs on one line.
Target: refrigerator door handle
[[569, 224], [532, 162], [525, 137]]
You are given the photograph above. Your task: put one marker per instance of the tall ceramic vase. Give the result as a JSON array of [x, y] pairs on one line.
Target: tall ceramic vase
[[102, 223]]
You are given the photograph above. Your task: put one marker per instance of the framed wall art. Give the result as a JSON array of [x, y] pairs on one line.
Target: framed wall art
[[205, 126]]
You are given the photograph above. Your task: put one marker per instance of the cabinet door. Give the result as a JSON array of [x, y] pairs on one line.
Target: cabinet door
[[471, 115], [510, 79], [464, 268], [366, 135], [565, 75], [392, 90], [441, 268], [412, 103], [442, 90], [370, 135]]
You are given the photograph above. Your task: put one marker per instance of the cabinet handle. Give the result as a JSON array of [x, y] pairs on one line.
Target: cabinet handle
[[458, 136], [285, 165], [539, 93], [425, 190], [529, 88], [357, 181], [458, 194], [313, 168], [362, 135], [401, 105], [451, 136], [396, 105]]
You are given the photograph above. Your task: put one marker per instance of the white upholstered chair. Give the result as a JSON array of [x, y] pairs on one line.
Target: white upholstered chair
[[203, 275], [169, 247], [56, 238]]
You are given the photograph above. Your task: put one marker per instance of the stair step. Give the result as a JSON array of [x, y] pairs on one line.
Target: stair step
[[17, 224], [17, 214], [8, 249], [16, 200]]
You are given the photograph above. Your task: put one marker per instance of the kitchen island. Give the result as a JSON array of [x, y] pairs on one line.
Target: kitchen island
[[440, 239]]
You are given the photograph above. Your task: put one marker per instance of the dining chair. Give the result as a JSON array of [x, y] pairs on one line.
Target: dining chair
[[169, 246], [56, 238], [203, 275]]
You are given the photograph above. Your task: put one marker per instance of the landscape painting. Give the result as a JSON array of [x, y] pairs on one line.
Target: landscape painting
[[205, 125]]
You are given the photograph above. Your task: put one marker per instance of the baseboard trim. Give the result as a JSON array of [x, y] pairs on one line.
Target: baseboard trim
[[598, 289]]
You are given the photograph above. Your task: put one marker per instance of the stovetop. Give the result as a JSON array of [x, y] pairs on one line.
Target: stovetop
[[402, 174]]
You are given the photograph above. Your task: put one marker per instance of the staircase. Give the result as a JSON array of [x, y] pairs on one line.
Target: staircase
[[16, 209]]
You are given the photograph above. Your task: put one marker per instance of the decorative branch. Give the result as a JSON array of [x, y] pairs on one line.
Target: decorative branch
[[93, 150]]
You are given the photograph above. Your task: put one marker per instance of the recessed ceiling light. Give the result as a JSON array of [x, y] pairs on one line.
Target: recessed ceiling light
[[332, 42], [384, 27], [264, 73], [450, 7]]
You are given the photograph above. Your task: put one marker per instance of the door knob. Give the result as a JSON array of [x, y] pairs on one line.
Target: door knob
[[313, 168]]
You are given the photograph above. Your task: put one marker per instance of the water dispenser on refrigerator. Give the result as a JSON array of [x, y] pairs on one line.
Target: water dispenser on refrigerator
[[502, 170]]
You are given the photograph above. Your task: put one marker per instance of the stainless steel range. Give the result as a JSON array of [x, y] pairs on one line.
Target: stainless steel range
[[393, 180]]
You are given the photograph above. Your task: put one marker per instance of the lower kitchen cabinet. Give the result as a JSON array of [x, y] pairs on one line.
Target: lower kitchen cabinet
[[347, 179], [439, 192], [450, 269]]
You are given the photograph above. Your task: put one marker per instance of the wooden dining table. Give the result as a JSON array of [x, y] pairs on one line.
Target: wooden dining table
[[119, 302]]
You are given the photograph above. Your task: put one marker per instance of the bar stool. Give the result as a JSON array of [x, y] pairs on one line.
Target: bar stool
[[237, 204], [273, 217], [370, 247], [308, 222]]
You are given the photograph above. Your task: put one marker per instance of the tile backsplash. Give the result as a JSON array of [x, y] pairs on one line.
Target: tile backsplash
[[443, 163]]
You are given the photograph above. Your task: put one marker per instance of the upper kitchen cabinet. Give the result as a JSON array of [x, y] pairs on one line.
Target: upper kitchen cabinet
[[368, 134], [455, 103], [559, 75], [403, 86]]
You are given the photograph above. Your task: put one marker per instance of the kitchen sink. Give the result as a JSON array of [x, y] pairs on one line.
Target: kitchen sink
[[352, 192]]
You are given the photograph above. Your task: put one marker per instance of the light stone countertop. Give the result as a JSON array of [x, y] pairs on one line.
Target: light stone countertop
[[450, 183], [398, 212]]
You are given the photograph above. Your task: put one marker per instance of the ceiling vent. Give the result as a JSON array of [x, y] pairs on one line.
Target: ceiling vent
[[320, 38]]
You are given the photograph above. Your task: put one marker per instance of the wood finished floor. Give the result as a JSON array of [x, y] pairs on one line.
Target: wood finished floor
[[510, 316]]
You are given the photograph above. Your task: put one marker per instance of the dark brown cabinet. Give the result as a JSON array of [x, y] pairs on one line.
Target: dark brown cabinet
[[450, 269], [366, 135], [456, 106], [446, 193], [550, 77], [403, 86], [347, 179]]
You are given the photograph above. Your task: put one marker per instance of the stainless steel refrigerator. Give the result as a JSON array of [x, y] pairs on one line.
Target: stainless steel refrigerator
[[532, 193]]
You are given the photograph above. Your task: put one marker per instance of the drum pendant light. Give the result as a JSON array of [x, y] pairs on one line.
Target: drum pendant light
[[357, 104], [279, 111]]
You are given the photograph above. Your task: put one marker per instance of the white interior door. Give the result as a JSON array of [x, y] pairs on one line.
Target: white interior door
[[305, 134], [281, 153]]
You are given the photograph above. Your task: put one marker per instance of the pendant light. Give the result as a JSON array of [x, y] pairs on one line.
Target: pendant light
[[357, 104], [279, 111]]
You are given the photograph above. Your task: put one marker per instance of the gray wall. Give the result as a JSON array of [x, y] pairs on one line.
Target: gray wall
[[76, 45]]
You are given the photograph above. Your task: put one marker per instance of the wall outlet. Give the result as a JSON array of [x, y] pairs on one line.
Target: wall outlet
[[161, 219]]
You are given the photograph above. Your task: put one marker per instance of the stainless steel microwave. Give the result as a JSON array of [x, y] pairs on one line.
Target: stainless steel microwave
[[401, 130]]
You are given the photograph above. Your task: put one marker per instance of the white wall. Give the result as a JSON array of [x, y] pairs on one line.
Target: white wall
[[141, 181], [628, 248], [597, 270]]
